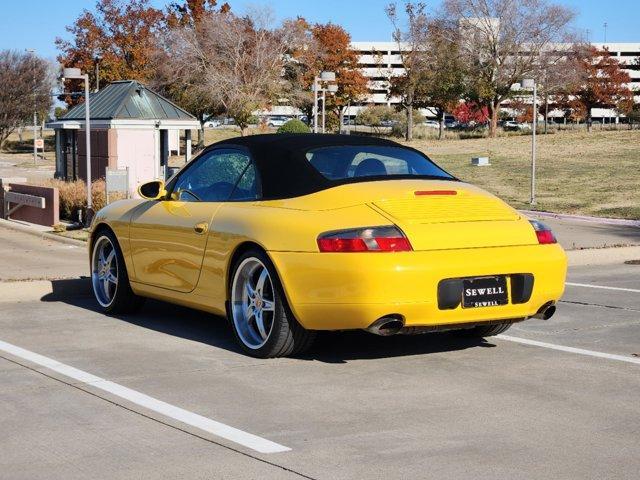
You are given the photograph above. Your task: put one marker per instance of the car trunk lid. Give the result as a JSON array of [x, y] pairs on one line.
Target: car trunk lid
[[454, 215]]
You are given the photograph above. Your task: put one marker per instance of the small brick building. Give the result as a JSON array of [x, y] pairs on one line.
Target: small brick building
[[131, 127]]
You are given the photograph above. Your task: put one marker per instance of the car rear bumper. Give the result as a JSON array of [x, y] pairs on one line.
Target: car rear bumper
[[336, 291]]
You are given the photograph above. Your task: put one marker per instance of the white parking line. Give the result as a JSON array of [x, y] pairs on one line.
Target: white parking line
[[634, 290], [245, 439], [562, 348]]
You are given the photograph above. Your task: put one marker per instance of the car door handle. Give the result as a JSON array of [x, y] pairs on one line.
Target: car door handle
[[201, 228]]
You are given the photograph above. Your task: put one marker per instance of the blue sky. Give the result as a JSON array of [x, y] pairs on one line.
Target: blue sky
[[36, 23]]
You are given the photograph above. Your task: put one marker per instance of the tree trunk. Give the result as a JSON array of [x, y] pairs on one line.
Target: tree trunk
[[494, 110], [409, 134], [441, 123], [589, 121], [201, 133]]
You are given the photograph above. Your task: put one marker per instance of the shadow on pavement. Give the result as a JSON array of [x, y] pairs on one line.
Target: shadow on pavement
[[330, 347]]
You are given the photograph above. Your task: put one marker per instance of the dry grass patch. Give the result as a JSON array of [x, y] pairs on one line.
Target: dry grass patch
[[591, 174]]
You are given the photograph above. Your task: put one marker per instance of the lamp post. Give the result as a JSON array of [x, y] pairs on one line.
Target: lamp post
[[530, 84], [76, 74], [332, 89], [325, 77]]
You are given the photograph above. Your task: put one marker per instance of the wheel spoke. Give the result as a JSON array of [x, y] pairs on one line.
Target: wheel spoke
[[267, 306], [260, 325], [261, 281], [249, 290], [101, 258], [110, 277], [110, 257], [249, 312], [105, 287]]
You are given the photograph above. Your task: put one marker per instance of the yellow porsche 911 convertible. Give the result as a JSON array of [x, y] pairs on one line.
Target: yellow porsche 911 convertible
[[290, 234]]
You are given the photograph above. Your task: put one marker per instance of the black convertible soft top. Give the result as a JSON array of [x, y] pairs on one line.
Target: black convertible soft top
[[282, 166]]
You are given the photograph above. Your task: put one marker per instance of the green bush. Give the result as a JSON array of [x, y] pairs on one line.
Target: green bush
[[294, 126]]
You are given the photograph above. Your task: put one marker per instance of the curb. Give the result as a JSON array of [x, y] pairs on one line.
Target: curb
[[602, 256], [37, 233], [583, 218], [45, 290]]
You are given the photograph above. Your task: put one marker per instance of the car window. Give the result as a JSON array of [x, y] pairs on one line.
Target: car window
[[215, 177], [247, 186], [353, 162]]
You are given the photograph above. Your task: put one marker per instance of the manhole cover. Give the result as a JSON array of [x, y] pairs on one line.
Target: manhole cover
[[632, 262]]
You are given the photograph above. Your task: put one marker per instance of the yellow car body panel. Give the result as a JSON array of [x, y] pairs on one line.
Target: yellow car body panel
[[468, 234]]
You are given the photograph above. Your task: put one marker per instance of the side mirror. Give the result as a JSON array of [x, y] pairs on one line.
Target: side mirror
[[152, 190]]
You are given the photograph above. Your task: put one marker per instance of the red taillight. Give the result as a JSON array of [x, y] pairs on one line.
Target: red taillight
[[544, 233], [342, 245], [373, 239]]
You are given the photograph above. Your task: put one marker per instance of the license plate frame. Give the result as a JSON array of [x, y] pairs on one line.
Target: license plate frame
[[488, 291]]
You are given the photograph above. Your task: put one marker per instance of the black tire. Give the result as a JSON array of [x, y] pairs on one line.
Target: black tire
[[286, 336], [123, 300], [485, 330]]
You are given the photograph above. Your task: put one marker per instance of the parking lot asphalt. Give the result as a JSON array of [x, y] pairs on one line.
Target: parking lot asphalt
[[165, 392]]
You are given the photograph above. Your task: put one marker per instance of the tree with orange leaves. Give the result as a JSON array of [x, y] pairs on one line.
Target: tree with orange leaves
[[119, 38], [327, 47], [602, 84], [191, 12]]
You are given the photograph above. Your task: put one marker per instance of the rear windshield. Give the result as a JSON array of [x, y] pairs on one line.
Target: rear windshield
[[361, 161]]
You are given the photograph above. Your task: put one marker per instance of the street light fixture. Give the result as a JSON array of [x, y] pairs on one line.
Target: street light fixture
[[530, 84], [76, 74], [325, 77]]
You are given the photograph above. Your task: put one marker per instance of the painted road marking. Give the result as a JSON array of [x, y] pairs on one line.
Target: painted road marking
[[634, 290], [245, 439], [562, 348]]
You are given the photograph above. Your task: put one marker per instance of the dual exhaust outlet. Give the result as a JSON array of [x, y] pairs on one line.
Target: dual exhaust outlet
[[394, 324]]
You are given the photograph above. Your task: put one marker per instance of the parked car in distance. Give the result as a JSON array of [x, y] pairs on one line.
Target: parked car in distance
[[513, 126], [276, 122], [289, 234], [388, 123], [212, 123], [431, 124]]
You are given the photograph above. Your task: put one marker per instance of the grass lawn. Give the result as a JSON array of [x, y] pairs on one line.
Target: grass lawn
[[577, 172], [81, 234]]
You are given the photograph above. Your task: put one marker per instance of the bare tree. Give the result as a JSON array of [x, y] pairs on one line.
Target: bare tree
[[503, 41], [442, 84], [413, 47], [24, 78], [228, 62]]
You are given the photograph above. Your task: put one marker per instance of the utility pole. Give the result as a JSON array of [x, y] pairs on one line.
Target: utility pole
[[530, 84], [35, 107], [97, 63], [315, 104], [605, 32]]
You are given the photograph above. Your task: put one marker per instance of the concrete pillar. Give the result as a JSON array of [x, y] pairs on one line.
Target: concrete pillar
[[164, 153], [59, 173], [187, 149]]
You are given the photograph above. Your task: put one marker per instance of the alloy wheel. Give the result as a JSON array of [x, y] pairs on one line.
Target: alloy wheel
[[104, 271], [253, 303]]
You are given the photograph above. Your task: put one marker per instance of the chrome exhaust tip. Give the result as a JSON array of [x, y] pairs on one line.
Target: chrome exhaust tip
[[546, 311], [386, 326]]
